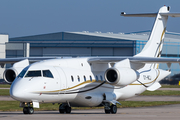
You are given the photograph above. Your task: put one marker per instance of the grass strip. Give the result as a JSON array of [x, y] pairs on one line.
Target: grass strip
[[161, 93], [14, 105], [5, 86], [4, 92], [170, 86]]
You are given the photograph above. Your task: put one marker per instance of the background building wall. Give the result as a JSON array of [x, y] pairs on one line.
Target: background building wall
[[3, 40], [71, 44], [17, 49]]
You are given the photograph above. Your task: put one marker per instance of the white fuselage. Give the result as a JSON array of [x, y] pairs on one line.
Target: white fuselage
[[77, 82]]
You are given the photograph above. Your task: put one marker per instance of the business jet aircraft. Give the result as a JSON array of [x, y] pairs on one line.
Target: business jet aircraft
[[90, 81]]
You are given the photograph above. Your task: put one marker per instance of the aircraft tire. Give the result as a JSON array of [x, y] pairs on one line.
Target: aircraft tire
[[31, 110], [60, 109], [107, 111], [25, 110], [28, 110], [68, 109], [113, 109]]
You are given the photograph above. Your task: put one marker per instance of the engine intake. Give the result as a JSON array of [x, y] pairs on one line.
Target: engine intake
[[10, 75], [112, 75], [121, 76]]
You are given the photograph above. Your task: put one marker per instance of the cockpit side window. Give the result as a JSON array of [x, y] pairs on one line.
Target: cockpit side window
[[22, 73], [47, 73], [34, 73]]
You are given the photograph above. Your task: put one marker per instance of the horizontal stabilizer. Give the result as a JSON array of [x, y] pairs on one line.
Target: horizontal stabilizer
[[154, 87], [139, 15], [171, 14], [150, 14]]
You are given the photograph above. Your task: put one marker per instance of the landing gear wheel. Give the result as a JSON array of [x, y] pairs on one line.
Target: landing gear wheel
[[31, 110], [107, 111], [68, 109], [61, 108], [64, 108], [25, 110], [113, 109], [28, 110]]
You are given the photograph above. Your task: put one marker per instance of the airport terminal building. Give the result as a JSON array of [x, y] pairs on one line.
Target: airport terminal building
[[83, 44]]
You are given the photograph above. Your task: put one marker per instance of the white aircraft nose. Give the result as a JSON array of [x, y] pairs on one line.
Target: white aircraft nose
[[17, 92]]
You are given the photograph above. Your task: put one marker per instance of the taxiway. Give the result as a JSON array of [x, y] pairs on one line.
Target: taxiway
[[166, 112]]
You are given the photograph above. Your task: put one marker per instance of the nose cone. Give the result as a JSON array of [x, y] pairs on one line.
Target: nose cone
[[17, 91]]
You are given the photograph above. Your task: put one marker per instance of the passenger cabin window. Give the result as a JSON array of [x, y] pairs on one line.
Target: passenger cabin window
[[96, 78], [85, 78], [78, 78], [72, 78], [90, 78], [34, 73], [47, 73], [101, 78]]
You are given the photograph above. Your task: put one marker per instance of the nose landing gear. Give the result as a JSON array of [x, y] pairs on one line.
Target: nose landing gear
[[28, 110]]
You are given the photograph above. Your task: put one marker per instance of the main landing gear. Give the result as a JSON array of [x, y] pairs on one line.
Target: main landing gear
[[110, 109], [64, 108]]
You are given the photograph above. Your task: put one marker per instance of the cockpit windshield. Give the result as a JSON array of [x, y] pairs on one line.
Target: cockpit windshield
[[36, 73], [22, 73]]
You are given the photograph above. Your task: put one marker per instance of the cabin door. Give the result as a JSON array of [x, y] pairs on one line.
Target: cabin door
[[62, 78]]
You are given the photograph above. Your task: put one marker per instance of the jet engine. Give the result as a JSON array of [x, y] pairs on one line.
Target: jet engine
[[11, 73], [121, 76]]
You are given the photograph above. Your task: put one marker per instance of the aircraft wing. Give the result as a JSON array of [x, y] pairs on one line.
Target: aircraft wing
[[134, 59], [135, 62], [138, 62], [31, 59], [99, 59]]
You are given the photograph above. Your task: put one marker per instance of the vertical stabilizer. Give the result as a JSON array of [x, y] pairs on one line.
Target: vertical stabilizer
[[154, 45]]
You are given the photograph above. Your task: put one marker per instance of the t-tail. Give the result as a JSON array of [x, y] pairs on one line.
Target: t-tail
[[153, 47]]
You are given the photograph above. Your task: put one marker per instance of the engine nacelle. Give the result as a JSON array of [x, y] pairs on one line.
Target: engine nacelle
[[11, 73], [121, 76]]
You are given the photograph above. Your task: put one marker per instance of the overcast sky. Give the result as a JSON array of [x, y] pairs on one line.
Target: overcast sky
[[32, 17]]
